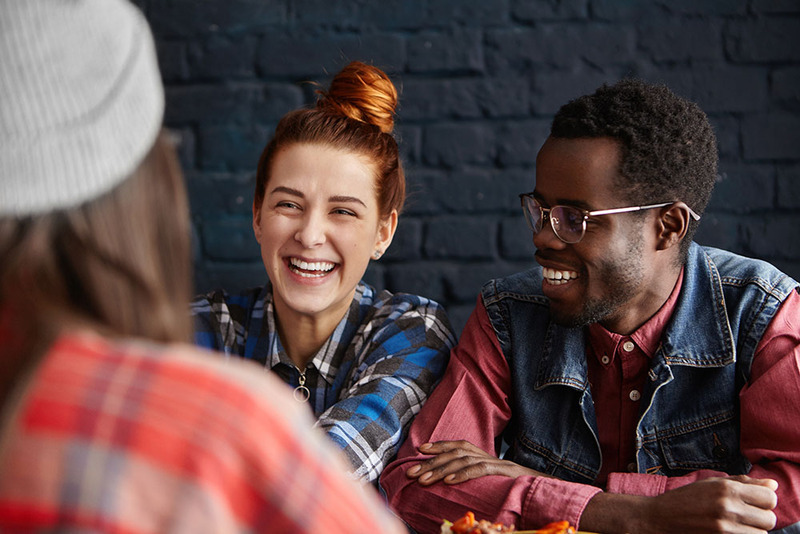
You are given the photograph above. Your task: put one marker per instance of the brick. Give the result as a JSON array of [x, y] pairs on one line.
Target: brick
[[172, 60], [420, 278], [233, 277], [719, 230], [614, 10], [228, 103], [538, 10], [771, 137], [461, 238], [519, 142], [183, 18], [555, 89], [713, 89], [337, 14], [772, 236], [469, 279], [465, 98], [790, 267], [220, 193], [567, 46], [222, 57], [284, 54], [764, 40], [785, 90], [456, 144], [450, 12], [229, 238], [678, 39], [409, 141], [407, 242], [743, 188], [776, 6], [707, 7], [726, 129], [231, 148], [374, 275], [395, 14], [789, 187], [516, 239], [454, 50], [422, 191]]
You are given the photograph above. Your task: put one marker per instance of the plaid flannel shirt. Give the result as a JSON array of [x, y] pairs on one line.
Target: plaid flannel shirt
[[131, 437], [368, 380]]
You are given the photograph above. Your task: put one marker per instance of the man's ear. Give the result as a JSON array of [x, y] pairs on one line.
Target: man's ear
[[673, 225], [257, 220]]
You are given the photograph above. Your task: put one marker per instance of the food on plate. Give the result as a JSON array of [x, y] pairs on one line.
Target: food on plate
[[469, 525]]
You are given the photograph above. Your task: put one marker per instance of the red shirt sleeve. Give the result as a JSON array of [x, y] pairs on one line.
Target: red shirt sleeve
[[472, 403]]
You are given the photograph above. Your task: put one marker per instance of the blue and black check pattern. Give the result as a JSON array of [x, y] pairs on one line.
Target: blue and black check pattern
[[369, 379]]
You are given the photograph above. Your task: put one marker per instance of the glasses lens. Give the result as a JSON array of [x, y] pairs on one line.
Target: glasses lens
[[533, 215], [567, 223]]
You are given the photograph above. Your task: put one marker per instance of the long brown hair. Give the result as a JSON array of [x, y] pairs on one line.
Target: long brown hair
[[355, 114], [119, 264]]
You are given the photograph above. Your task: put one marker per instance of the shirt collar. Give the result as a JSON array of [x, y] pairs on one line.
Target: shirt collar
[[329, 357], [647, 337]]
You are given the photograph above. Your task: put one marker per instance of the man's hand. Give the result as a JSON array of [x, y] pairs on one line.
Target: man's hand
[[458, 461], [731, 505]]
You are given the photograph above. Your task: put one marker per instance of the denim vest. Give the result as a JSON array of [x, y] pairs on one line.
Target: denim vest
[[690, 408]]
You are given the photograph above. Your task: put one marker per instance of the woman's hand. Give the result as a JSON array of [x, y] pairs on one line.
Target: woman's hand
[[458, 461]]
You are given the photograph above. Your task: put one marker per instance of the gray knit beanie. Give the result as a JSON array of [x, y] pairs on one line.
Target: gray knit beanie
[[81, 100]]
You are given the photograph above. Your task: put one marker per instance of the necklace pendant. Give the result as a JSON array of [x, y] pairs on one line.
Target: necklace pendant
[[301, 393]]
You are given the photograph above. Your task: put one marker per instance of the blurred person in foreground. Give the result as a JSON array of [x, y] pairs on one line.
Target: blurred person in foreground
[[329, 191], [641, 382], [111, 421]]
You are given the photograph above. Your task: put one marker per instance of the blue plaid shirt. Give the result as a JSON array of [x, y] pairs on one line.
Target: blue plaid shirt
[[369, 379]]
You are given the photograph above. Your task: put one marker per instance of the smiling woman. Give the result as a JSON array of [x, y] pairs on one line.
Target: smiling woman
[[329, 190]]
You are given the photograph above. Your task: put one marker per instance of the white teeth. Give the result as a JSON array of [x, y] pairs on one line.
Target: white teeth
[[558, 277], [322, 267]]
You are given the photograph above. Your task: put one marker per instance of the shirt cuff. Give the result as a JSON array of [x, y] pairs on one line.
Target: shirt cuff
[[551, 499], [636, 484]]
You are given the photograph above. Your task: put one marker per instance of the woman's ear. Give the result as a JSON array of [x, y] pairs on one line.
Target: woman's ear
[[257, 220], [673, 225], [386, 230]]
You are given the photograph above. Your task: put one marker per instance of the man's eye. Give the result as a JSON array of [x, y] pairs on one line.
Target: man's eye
[[287, 204]]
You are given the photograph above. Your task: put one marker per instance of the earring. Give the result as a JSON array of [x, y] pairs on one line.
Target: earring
[[376, 254]]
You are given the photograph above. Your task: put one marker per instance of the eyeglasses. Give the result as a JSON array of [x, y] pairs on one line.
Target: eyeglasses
[[568, 222]]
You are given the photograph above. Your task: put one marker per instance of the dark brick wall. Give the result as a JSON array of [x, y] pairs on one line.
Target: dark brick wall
[[480, 81]]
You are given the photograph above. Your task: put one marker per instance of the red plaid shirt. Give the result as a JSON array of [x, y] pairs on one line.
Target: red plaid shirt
[[132, 437]]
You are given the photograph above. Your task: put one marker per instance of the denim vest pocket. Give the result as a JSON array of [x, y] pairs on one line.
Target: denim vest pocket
[[709, 443]]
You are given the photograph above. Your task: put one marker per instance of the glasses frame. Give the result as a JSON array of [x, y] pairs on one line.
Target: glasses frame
[[544, 213]]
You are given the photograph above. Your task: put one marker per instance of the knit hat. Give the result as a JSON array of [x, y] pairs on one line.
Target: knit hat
[[81, 100]]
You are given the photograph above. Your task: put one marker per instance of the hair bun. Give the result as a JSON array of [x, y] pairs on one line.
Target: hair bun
[[364, 93]]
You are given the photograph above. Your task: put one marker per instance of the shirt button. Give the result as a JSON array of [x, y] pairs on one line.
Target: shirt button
[[632, 467], [605, 359], [635, 395], [627, 346]]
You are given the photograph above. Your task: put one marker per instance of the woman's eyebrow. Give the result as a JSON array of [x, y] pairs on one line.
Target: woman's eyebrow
[[288, 191], [346, 199], [335, 198]]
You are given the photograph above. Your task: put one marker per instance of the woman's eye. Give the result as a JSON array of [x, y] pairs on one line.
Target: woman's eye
[[287, 204], [342, 211]]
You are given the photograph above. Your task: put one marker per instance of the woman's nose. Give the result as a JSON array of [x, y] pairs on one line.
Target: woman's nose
[[312, 231]]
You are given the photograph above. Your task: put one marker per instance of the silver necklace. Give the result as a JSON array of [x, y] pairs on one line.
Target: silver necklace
[[301, 392]]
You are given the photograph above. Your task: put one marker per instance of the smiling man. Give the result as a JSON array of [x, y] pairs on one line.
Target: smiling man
[[640, 382]]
